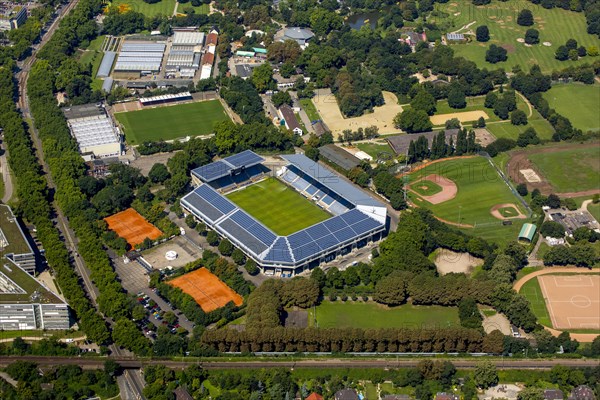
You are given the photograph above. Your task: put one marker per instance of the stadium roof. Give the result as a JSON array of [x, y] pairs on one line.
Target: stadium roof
[[93, 131], [188, 38], [166, 97], [221, 168], [331, 180], [82, 111], [107, 62], [339, 156]]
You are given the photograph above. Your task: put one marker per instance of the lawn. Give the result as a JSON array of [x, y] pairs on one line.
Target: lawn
[[377, 150], [278, 206], [532, 291], [555, 26], [310, 109], [201, 9], [426, 188], [570, 170], [594, 209], [578, 102], [164, 7], [479, 189], [371, 315], [171, 122]]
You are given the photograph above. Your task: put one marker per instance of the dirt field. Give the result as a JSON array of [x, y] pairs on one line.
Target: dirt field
[[447, 261], [145, 163], [207, 289], [132, 227], [515, 213], [382, 117], [449, 189], [466, 116], [186, 253], [519, 161], [573, 301]]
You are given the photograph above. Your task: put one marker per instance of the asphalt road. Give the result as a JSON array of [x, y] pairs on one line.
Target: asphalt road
[[131, 363]]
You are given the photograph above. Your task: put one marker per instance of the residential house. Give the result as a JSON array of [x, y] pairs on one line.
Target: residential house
[[446, 396], [287, 115], [412, 38], [396, 397], [582, 392], [553, 394], [314, 396], [346, 394], [182, 394]]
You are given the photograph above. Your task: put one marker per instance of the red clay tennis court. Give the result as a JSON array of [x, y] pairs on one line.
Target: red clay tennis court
[[573, 301], [132, 227], [207, 289]]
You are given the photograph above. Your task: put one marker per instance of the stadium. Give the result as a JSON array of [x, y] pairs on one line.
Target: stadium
[[287, 222]]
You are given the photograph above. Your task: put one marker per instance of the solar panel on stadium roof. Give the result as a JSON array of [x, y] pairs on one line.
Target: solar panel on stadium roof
[[212, 171], [344, 234], [246, 239], [279, 252], [214, 198], [298, 239], [335, 224], [365, 226], [327, 242], [245, 158], [202, 206], [317, 231], [306, 251]]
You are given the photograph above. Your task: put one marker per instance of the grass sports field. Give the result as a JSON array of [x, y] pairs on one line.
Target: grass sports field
[[278, 206], [579, 102], [164, 7], [479, 189], [533, 292], [377, 150], [171, 122], [310, 109], [583, 165], [352, 315], [555, 26]]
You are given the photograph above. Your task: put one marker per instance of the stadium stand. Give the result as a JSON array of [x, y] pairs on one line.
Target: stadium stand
[[357, 217]]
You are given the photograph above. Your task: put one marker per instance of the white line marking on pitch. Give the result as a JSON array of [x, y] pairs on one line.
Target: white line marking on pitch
[[548, 303]]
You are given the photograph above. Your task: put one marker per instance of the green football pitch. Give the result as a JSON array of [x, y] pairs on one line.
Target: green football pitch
[[352, 315], [278, 206], [171, 122]]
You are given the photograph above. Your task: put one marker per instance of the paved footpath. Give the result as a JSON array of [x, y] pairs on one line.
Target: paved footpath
[[582, 337]]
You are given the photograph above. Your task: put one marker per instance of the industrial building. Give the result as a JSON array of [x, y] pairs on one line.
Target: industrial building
[[356, 217], [25, 303], [139, 58], [185, 53], [94, 131]]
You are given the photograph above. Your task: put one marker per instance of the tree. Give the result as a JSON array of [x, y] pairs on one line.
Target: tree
[[552, 229], [453, 123], [281, 98], [496, 54], [522, 189], [262, 78], [392, 290], [212, 238], [581, 51], [469, 314], [481, 122], [456, 98], [490, 100], [238, 256], [482, 33], [413, 121], [225, 247], [485, 375], [251, 267], [518, 117], [562, 53], [527, 137], [571, 44], [592, 51], [553, 201], [424, 101], [159, 173], [525, 18], [531, 393], [573, 55], [532, 36]]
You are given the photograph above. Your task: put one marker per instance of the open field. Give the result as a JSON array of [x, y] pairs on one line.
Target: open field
[[594, 209], [278, 206], [573, 301], [310, 109], [164, 7], [461, 115], [533, 292], [371, 315], [479, 190], [578, 102], [201, 9], [382, 117], [507, 130], [132, 227], [555, 26], [570, 170], [377, 150], [207, 289], [448, 261], [172, 122]]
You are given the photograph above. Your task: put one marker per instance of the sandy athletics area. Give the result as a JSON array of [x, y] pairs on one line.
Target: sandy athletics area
[[530, 175], [382, 116], [466, 116], [507, 211], [448, 261], [132, 227], [573, 302], [449, 189]]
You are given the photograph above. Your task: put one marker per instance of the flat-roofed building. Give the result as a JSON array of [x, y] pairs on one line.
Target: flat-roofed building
[[94, 130], [14, 246], [184, 37]]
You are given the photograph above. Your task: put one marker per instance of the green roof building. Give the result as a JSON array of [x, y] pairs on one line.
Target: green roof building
[[527, 232]]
